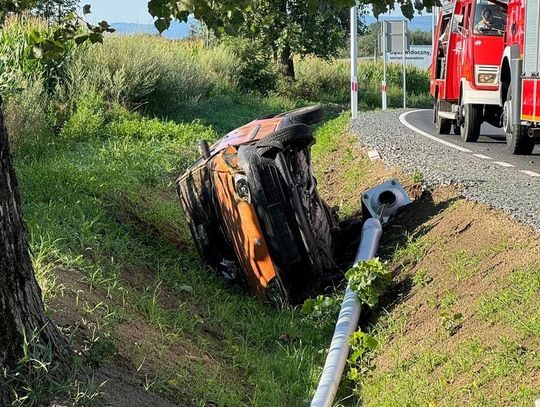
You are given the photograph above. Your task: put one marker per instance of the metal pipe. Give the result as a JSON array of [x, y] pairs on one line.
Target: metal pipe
[[347, 322]]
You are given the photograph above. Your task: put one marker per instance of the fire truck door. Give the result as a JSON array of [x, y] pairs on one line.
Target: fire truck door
[[457, 48]]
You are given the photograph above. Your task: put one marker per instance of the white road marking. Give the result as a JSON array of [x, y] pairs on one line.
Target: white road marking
[[429, 136], [403, 121], [483, 157], [530, 173], [503, 164]]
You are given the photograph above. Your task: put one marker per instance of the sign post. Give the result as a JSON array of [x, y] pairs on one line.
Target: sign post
[[354, 62], [395, 39], [404, 65]]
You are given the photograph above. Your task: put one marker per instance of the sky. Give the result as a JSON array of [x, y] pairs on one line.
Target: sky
[[114, 11], [132, 11]]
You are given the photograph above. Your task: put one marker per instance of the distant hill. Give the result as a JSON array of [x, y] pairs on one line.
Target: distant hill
[[176, 31], [422, 23], [181, 30]]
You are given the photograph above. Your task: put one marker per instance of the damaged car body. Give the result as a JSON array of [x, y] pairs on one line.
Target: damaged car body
[[254, 211]]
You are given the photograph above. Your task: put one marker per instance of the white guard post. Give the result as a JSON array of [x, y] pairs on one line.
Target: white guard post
[[383, 85], [354, 62]]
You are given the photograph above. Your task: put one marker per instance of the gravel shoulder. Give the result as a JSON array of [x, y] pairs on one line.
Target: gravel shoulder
[[513, 192]]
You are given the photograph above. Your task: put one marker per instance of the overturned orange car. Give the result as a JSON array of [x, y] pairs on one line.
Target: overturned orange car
[[254, 211]]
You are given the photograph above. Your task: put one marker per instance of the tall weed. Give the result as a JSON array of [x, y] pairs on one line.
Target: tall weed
[[28, 116], [163, 76]]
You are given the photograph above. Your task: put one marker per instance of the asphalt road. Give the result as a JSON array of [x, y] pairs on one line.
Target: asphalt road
[[490, 147]]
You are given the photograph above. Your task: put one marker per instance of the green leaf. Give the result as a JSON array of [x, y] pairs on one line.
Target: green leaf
[[95, 38], [308, 306], [162, 25], [81, 38], [37, 52], [186, 288], [86, 9]]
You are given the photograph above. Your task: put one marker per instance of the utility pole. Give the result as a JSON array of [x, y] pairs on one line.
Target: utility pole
[[354, 62]]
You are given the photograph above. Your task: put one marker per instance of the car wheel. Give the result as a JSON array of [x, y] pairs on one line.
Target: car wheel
[[297, 137], [306, 115]]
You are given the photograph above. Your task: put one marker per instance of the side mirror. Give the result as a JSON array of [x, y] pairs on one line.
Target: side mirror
[[457, 26]]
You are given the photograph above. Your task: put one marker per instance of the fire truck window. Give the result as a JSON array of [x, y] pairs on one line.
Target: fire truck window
[[489, 18]]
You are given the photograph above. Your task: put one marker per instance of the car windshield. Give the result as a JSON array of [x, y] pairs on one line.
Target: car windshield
[[489, 18]]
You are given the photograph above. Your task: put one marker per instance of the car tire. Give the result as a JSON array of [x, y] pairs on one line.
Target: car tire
[[306, 115], [471, 122], [297, 136], [518, 141]]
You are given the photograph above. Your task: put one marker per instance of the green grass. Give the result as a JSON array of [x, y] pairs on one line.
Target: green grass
[[516, 305], [102, 205], [475, 373], [338, 152]]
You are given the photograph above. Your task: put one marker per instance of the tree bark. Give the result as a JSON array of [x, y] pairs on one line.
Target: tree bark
[[21, 304], [286, 62]]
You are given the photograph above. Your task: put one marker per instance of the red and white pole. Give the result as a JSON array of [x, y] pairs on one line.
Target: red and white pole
[[383, 85], [354, 62]]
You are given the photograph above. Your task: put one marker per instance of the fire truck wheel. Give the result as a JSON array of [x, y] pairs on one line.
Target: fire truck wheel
[[471, 121], [443, 125], [518, 141]]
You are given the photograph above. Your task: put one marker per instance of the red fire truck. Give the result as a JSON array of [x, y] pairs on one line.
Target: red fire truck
[[519, 89], [465, 68]]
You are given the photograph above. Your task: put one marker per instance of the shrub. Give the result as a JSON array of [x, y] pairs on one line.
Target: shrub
[[87, 119], [28, 116], [16, 62], [162, 76], [255, 72], [222, 63], [321, 80]]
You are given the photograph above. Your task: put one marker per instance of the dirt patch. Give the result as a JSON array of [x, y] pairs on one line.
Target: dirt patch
[[451, 258], [128, 379], [459, 253]]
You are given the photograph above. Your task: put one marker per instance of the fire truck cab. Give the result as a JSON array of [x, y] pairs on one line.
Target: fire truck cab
[[519, 87], [468, 47]]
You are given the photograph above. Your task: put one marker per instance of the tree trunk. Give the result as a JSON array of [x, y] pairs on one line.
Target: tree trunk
[[286, 62], [21, 304]]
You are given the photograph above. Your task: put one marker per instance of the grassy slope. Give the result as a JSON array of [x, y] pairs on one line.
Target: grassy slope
[[461, 326], [118, 269], [114, 257]]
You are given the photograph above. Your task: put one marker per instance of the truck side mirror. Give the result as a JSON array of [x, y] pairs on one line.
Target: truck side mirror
[[457, 26]]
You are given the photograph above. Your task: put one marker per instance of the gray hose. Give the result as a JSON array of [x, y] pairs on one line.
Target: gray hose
[[346, 324]]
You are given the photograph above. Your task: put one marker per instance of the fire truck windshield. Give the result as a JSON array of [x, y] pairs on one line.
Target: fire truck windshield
[[489, 18]]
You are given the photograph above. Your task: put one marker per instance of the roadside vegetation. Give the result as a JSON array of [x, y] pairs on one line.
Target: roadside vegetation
[[97, 147], [459, 323], [98, 141]]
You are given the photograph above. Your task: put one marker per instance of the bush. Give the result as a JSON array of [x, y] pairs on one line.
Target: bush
[[162, 77], [255, 71], [16, 62], [28, 116], [87, 119], [326, 81], [222, 63]]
